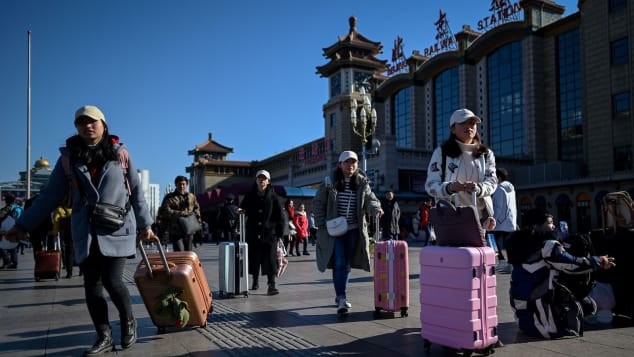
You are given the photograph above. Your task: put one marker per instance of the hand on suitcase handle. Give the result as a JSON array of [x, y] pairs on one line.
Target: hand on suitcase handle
[[147, 235]]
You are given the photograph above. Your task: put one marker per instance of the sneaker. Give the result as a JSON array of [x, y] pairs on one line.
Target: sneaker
[[348, 305], [342, 307], [12, 266], [503, 267], [306, 253]]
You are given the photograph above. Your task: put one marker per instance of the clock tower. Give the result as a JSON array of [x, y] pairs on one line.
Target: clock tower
[[351, 65]]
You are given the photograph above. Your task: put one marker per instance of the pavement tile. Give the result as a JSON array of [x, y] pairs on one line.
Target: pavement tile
[[49, 318]]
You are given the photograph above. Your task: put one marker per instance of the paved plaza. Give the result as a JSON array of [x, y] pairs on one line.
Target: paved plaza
[[49, 318]]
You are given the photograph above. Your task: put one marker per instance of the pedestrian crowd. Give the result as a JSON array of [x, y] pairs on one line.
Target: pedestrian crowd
[[72, 215]]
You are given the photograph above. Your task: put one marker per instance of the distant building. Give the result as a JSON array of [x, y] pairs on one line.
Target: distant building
[[41, 172], [555, 95]]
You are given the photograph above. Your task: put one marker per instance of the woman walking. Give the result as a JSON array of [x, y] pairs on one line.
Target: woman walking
[[102, 175], [347, 194]]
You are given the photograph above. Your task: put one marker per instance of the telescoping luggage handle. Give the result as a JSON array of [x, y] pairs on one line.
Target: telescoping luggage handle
[[377, 227], [161, 254], [474, 202], [242, 227]]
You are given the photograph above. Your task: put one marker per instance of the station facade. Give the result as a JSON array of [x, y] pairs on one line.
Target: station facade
[[554, 93]]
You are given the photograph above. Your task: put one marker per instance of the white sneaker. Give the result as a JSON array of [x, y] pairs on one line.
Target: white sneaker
[[503, 267], [343, 307], [348, 305]]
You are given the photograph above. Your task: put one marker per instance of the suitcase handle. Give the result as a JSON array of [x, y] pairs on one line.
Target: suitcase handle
[[161, 253], [377, 227], [243, 231]]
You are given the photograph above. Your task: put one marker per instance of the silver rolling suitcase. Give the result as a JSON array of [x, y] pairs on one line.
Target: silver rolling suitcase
[[234, 262]]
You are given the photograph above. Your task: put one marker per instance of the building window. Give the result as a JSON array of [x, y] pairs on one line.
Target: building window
[[619, 52], [623, 158], [332, 119], [402, 118], [362, 79], [335, 84], [616, 5], [569, 95], [446, 101], [621, 105], [506, 120]]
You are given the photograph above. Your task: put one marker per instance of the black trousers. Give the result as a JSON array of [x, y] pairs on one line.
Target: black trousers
[[182, 243], [105, 272], [262, 257]]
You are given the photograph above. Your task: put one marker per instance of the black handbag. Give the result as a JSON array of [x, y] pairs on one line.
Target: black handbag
[[108, 216], [189, 224]]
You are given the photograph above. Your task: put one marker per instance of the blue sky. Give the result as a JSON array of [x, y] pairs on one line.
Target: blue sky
[[168, 72]]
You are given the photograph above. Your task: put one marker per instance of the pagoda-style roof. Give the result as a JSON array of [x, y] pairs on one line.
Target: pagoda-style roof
[[353, 50], [211, 146]]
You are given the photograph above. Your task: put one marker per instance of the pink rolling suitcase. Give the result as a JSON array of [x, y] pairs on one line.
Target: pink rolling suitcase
[[458, 298], [391, 277]]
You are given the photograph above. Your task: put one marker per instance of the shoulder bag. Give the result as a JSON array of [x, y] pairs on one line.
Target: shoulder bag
[[189, 224], [338, 226]]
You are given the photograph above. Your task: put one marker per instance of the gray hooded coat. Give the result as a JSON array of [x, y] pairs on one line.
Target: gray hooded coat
[[325, 208]]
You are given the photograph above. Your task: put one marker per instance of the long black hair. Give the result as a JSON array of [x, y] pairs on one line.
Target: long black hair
[[452, 149], [98, 154], [340, 180]]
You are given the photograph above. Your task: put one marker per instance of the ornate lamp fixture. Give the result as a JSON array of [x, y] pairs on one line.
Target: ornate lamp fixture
[[363, 127]]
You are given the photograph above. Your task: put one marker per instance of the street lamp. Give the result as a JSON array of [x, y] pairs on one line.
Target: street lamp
[[362, 127]]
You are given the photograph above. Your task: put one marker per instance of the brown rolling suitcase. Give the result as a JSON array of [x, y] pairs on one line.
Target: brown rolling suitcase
[[180, 273], [48, 263]]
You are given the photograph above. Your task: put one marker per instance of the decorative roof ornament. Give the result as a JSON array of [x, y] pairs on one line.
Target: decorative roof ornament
[[399, 62], [445, 40]]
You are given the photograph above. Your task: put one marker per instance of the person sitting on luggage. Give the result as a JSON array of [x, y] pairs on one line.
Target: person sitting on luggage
[[543, 306], [348, 196], [264, 225]]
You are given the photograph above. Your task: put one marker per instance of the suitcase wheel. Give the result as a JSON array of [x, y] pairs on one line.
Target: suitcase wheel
[[246, 294]]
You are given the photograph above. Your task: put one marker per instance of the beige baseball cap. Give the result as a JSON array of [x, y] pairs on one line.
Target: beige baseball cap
[[90, 111]]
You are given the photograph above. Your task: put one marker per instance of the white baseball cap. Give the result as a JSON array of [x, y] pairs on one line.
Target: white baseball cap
[[263, 173], [348, 155], [461, 116]]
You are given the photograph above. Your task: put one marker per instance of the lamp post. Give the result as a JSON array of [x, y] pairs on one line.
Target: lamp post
[[366, 125]]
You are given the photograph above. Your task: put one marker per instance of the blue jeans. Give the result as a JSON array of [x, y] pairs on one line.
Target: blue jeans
[[342, 260]]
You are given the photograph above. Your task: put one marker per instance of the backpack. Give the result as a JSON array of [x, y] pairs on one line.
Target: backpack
[[578, 245], [617, 210]]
